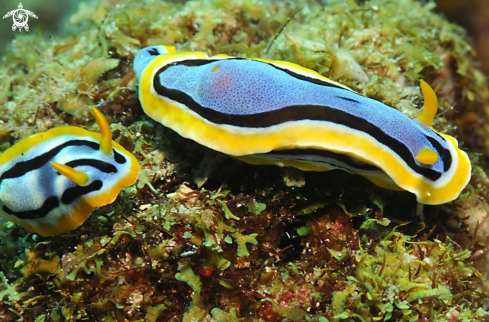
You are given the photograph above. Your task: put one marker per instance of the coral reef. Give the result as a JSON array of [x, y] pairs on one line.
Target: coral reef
[[203, 237]]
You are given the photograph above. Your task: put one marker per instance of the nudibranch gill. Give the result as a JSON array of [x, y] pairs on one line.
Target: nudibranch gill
[[273, 112], [52, 181]]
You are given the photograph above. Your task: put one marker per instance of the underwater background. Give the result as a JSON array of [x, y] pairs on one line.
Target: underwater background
[[204, 237]]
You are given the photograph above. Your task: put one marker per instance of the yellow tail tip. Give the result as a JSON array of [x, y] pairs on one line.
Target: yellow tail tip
[[430, 104], [106, 140], [77, 177]]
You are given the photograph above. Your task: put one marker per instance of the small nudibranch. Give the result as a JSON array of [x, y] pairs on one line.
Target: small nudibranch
[[272, 112], [52, 181]]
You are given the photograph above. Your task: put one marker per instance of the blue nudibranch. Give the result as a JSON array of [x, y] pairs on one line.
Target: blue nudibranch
[[51, 182], [272, 112]]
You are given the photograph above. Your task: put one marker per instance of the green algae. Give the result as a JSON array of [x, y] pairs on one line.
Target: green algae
[[196, 311], [34, 264], [403, 280], [153, 312], [227, 212], [222, 316], [242, 240], [268, 247]]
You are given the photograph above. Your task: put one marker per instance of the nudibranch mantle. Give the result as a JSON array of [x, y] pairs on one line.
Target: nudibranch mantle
[[52, 181], [271, 112]]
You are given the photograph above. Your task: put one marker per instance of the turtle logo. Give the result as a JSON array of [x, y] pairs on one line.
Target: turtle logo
[[20, 17]]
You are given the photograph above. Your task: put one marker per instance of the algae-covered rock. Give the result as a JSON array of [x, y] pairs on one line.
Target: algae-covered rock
[[202, 237]]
